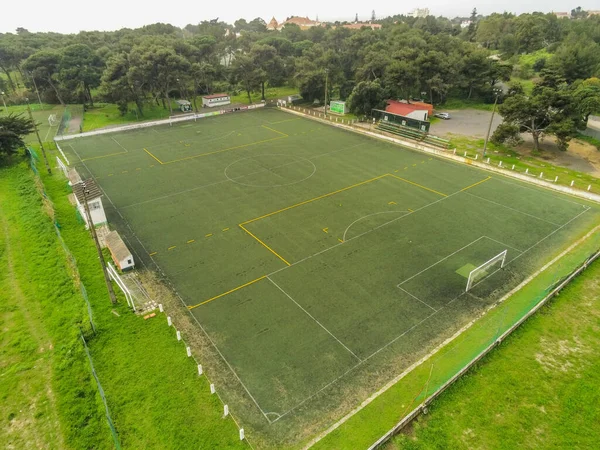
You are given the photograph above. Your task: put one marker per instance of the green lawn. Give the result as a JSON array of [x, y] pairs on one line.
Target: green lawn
[[538, 390], [107, 114], [509, 157], [268, 225], [47, 395], [271, 93], [456, 103], [40, 115]]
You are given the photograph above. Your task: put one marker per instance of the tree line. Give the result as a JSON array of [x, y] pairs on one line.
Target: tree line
[[426, 58]]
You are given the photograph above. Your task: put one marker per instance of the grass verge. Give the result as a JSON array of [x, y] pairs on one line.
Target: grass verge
[[539, 390], [47, 396], [510, 157]]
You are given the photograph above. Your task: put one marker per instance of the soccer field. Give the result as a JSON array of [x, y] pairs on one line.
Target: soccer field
[[319, 262]]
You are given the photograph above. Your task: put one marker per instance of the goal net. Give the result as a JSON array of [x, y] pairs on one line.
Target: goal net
[[488, 267]]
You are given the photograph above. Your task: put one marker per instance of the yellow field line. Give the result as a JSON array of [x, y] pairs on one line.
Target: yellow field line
[[224, 150], [475, 184], [103, 156], [418, 185], [191, 240], [314, 199], [275, 131], [265, 245], [147, 151], [171, 248], [153, 253], [228, 292]]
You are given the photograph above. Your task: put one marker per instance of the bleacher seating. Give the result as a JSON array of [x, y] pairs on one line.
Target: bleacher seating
[[413, 134]]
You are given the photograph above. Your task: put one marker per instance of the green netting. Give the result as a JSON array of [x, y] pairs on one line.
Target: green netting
[[111, 425]]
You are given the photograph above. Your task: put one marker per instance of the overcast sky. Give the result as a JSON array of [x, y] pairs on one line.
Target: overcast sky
[[70, 16]]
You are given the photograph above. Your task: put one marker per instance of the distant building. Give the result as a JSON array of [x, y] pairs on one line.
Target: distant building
[[213, 100], [415, 110], [593, 13], [465, 24], [420, 12], [562, 15], [303, 22], [359, 25]]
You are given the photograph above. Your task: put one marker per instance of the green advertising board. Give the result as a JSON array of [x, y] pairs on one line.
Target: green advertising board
[[337, 107]]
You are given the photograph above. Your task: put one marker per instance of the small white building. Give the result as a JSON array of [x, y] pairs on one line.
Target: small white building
[[210, 101], [89, 190], [121, 255]]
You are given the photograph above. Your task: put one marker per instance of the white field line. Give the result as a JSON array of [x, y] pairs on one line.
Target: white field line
[[227, 180], [417, 298], [453, 337], [436, 263], [313, 318], [369, 215], [513, 209], [448, 157], [362, 234], [119, 144], [502, 243], [431, 315]]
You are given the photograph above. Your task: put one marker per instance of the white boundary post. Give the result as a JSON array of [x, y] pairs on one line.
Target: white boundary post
[[178, 335], [169, 321], [212, 388], [242, 434], [188, 351], [225, 410], [200, 369]]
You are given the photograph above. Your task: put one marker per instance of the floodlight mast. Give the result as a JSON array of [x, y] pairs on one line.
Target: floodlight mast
[[326, 83], [4, 101], [86, 207]]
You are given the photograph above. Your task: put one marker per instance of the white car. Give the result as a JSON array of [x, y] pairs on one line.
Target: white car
[[441, 115]]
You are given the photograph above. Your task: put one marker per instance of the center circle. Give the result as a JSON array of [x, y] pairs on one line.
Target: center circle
[[270, 170]]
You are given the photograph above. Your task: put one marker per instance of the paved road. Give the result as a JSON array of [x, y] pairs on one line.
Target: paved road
[[467, 122]]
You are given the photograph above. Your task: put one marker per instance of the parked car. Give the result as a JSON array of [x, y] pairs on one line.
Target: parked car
[[442, 115]]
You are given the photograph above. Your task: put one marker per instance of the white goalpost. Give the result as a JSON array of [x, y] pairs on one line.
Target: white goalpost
[[480, 272], [52, 120]]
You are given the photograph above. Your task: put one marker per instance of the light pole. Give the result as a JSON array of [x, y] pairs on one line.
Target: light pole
[[86, 206], [487, 136], [4, 101], [326, 83], [38, 137]]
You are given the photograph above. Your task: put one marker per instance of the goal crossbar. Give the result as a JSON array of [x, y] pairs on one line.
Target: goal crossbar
[[473, 274]]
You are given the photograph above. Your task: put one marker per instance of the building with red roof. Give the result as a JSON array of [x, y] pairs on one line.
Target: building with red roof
[[416, 110]]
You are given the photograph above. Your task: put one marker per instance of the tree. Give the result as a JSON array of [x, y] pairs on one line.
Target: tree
[[546, 111], [373, 18], [44, 66], [268, 65], [472, 30], [80, 70], [587, 97], [578, 13], [13, 128], [366, 96], [401, 79], [244, 71]]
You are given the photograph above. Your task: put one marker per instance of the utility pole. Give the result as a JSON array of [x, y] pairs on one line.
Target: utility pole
[[111, 292], [36, 89], [326, 83], [39, 139], [487, 137]]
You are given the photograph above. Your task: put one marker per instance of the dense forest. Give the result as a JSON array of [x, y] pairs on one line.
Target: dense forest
[[430, 58]]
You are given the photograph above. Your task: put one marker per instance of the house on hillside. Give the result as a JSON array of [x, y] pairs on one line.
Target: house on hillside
[[359, 25], [303, 22]]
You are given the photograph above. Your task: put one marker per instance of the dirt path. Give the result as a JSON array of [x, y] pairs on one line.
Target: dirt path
[[580, 156], [30, 405]]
